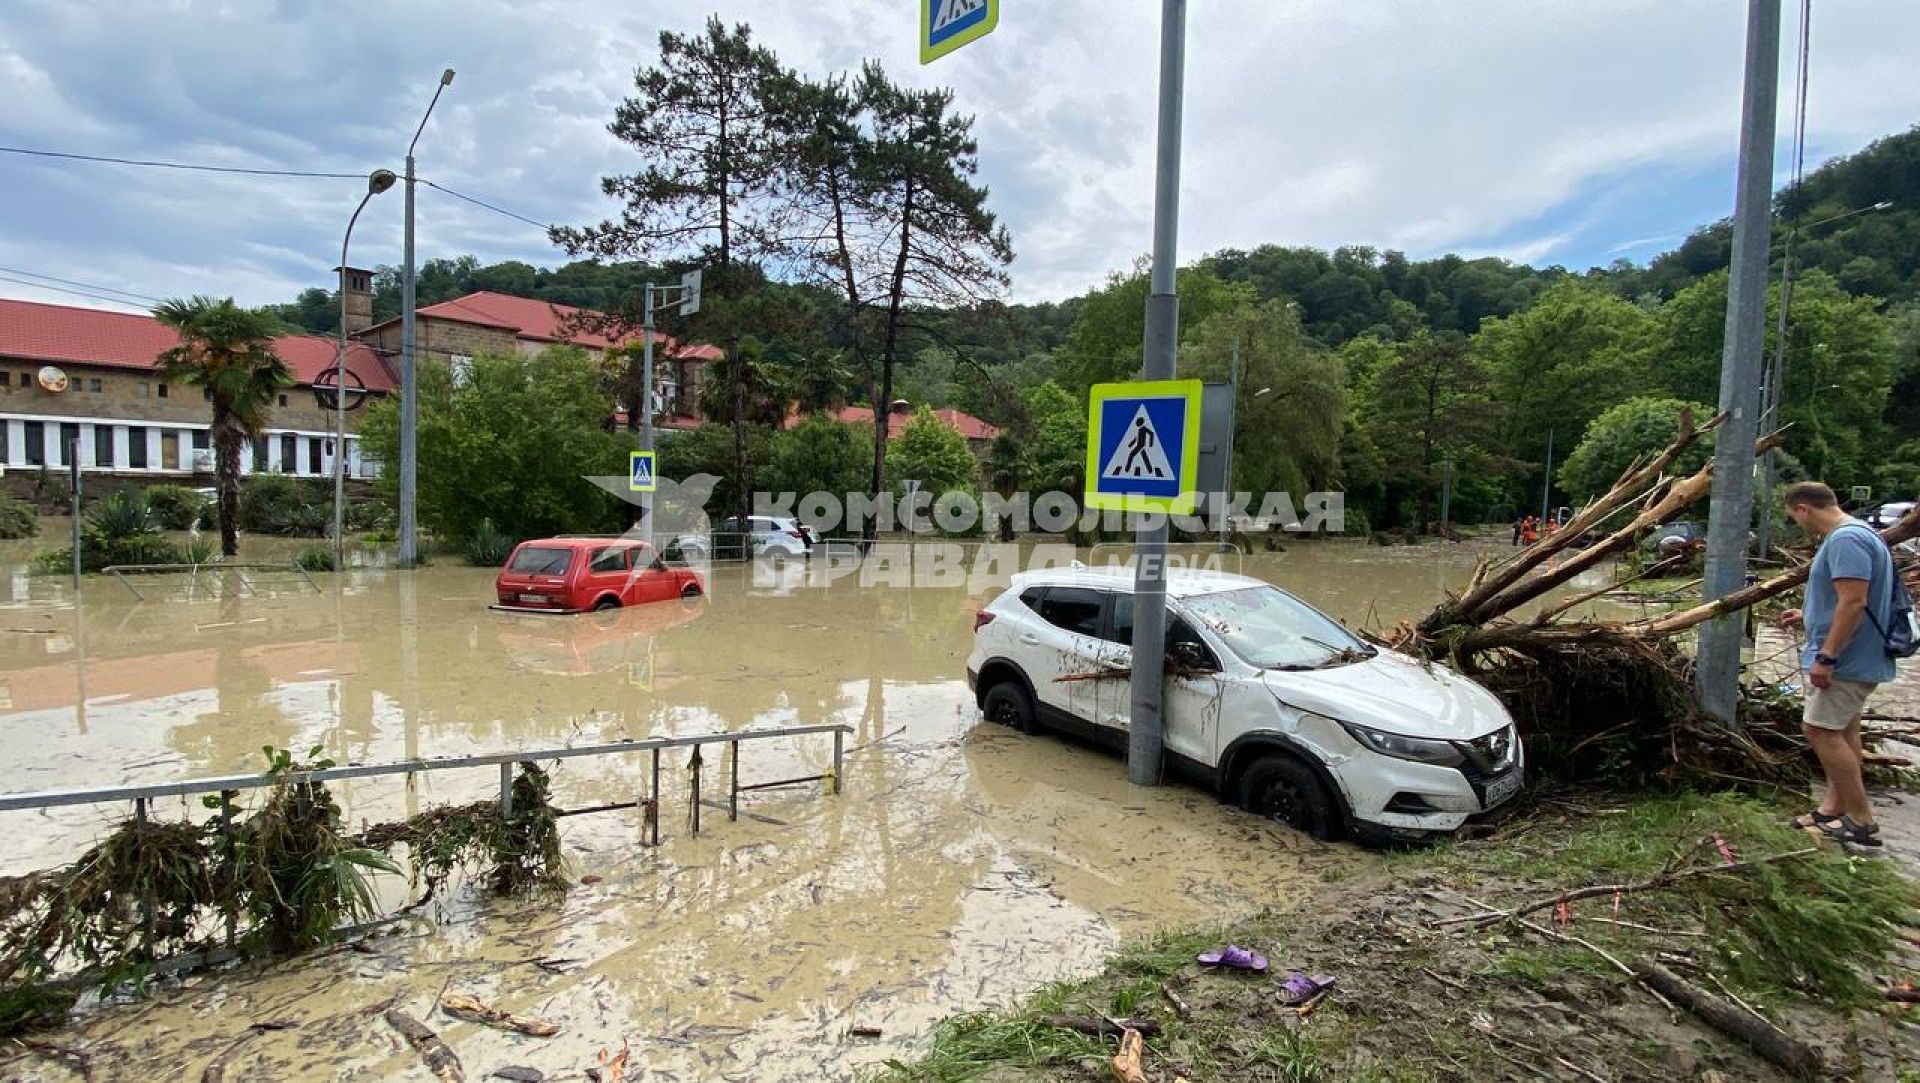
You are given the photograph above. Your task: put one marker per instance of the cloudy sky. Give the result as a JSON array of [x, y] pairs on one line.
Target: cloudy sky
[[1549, 131]]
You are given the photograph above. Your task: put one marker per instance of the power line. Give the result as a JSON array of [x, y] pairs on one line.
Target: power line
[[64, 155], [77, 293], [488, 206], [82, 285]]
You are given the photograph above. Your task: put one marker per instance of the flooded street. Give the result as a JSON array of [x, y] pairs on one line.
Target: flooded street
[[963, 865]]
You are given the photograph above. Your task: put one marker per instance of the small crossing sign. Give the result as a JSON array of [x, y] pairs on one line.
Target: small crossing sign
[[640, 476], [1143, 446], [946, 25]]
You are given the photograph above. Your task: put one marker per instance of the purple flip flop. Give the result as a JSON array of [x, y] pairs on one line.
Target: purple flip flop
[[1299, 988], [1234, 957]]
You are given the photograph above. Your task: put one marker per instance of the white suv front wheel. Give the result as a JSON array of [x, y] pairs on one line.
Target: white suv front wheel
[[1286, 790]]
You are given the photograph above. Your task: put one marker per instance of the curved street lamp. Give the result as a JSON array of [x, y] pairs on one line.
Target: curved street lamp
[[377, 181]]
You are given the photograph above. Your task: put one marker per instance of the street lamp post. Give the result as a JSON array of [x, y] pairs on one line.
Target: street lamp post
[[409, 390], [377, 181]]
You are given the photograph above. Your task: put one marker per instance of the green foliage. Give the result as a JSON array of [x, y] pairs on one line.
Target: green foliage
[[117, 530], [487, 546], [315, 558], [278, 504], [301, 877], [17, 518], [1634, 430], [709, 450], [932, 453], [1292, 397], [174, 507], [1106, 339], [199, 549], [1056, 446], [514, 444], [1557, 364], [819, 455], [1429, 405]]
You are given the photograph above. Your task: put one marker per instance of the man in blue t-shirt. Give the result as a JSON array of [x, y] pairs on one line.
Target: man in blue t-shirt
[[1849, 595]]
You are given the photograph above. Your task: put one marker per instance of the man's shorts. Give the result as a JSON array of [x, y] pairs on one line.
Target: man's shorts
[[1836, 706]]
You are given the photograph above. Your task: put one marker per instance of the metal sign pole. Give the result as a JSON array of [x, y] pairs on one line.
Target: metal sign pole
[[73, 459], [1145, 739], [646, 410]]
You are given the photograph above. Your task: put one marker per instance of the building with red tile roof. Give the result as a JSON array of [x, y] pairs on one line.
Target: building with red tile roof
[[85, 376], [978, 433]]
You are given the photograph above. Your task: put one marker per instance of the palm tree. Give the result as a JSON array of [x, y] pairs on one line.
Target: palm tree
[[228, 350]]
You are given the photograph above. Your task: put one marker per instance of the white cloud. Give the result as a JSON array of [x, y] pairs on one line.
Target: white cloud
[[1474, 126]]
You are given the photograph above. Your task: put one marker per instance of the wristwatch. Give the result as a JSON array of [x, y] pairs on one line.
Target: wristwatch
[[1825, 660]]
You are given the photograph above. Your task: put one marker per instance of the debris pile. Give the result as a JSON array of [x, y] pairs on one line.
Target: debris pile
[[1612, 700]]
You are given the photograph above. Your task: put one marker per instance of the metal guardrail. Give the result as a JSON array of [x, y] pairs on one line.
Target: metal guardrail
[[119, 573], [226, 786]]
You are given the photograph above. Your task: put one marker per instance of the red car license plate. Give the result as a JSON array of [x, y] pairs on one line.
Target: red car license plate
[[534, 599]]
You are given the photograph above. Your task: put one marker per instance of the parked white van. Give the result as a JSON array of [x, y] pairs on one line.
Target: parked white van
[[1268, 701]]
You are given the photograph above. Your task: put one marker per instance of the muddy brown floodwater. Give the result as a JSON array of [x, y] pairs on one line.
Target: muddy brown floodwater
[[963, 866]]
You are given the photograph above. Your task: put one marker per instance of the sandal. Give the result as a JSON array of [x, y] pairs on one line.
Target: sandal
[[1816, 820], [1845, 830], [1300, 988], [1234, 957]]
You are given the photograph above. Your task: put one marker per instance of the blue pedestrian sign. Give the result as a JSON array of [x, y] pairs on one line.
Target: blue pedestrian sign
[[1143, 446], [946, 25], [640, 476]]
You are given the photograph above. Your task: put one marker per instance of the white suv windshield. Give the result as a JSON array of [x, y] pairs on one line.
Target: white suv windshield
[[1272, 630]]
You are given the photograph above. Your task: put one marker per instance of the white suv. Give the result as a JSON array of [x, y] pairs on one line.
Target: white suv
[[1269, 701], [767, 538]]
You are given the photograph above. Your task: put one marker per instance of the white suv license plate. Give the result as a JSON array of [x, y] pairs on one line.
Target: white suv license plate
[[1502, 789]]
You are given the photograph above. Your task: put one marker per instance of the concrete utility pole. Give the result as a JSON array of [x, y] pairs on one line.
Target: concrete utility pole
[[1717, 669], [1145, 737], [409, 386]]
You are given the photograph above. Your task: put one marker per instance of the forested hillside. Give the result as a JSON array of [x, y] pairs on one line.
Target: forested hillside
[[1382, 373]]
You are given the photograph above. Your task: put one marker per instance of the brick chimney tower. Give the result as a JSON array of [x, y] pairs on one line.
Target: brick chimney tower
[[359, 298]]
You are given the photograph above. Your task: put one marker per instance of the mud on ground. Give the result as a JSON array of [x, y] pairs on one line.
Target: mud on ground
[[1420, 999]]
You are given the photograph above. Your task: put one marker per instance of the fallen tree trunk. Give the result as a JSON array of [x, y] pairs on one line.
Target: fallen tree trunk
[[440, 1059], [1780, 1050]]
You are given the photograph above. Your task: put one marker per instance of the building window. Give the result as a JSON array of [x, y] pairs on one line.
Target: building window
[[69, 442], [3, 379], [199, 439], [162, 389], [36, 443], [283, 400], [289, 453], [206, 394], [103, 446], [93, 385], [313, 458], [136, 446]]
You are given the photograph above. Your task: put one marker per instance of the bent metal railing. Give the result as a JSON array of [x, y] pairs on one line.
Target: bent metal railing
[[119, 573], [142, 795]]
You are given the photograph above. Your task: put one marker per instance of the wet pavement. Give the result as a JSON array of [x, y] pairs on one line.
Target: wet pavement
[[962, 867]]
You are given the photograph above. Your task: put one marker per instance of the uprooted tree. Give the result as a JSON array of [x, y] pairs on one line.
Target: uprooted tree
[[1613, 699]]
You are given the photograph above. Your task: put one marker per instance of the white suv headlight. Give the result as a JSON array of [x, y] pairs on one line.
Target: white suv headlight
[[1417, 749]]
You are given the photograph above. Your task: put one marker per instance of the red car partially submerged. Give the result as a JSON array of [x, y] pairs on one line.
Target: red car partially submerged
[[572, 575]]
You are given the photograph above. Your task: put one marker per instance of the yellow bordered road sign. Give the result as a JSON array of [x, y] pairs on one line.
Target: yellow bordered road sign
[[1143, 446], [640, 474], [946, 25]]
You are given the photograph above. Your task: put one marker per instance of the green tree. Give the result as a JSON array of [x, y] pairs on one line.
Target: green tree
[[1431, 404], [1107, 337], [701, 124], [1557, 364], [1632, 430], [930, 452], [709, 449], [819, 455], [482, 459], [1292, 398], [227, 351], [1056, 451], [945, 246]]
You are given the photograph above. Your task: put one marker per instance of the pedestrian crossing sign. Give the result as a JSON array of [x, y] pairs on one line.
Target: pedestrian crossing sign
[[640, 476], [1143, 446], [946, 25]]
